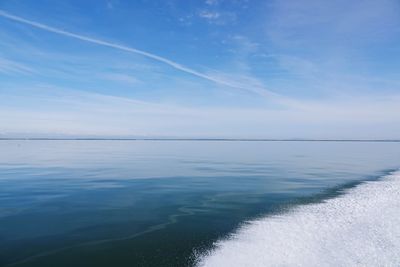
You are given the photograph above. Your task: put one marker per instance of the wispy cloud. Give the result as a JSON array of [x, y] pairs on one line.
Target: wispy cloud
[[212, 2], [314, 23], [121, 78], [169, 62], [217, 17], [12, 67], [210, 15], [332, 47]]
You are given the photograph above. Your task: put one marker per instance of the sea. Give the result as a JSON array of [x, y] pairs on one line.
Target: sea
[[199, 203]]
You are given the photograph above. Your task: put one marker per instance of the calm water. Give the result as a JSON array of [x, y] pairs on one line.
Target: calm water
[[160, 203]]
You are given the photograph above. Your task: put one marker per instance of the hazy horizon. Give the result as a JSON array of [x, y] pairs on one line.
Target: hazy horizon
[[211, 138]]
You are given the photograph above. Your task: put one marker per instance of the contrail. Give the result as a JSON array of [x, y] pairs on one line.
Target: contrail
[[175, 65]]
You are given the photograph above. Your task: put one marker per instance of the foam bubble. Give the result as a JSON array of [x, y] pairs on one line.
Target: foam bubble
[[359, 228]]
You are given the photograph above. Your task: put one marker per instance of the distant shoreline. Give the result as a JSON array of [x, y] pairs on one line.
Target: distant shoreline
[[201, 139]]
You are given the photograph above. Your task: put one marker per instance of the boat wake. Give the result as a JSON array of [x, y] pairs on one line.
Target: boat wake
[[358, 228]]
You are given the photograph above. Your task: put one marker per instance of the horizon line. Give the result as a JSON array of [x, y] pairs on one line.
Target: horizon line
[[196, 139]]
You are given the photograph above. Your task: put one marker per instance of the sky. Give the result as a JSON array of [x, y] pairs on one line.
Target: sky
[[210, 69]]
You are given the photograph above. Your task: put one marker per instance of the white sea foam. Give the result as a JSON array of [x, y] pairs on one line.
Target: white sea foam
[[359, 228]]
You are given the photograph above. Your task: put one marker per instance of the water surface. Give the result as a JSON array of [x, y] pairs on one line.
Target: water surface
[[161, 203]]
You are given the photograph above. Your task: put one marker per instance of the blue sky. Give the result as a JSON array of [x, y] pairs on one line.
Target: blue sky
[[213, 68]]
